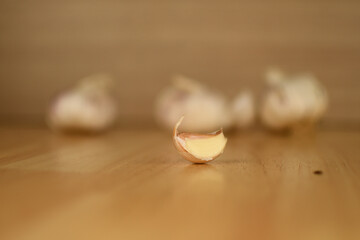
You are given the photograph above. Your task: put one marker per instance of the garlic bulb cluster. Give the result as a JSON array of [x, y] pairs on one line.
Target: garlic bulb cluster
[[203, 109], [292, 100], [87, 107], [243, 108]]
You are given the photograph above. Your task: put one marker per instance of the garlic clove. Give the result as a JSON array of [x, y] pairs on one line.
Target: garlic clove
[[280, 111], [243, 108], [205, 109], [292, 100], [199, 148], [87, 107]]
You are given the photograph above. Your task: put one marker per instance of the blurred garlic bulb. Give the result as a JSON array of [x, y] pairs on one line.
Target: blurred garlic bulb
[[204, 109], [243, 108], [292, 100], [88, 107]]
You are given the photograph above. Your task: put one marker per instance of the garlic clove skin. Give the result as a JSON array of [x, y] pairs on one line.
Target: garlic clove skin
[[315, 95], [88, 107], [243, 108], [205, 110], [199, 148]]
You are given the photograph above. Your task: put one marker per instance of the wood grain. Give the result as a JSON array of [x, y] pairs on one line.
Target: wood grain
[[132, 184], [46, 46]]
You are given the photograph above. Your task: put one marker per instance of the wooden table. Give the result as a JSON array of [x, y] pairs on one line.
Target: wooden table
[[132, 184]]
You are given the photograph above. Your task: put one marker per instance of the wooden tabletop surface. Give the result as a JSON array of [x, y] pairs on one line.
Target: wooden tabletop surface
[[132, 184]]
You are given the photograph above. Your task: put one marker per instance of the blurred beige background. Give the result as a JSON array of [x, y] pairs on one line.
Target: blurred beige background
[[46, 46]]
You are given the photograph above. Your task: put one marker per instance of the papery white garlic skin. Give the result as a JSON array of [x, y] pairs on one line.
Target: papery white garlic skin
[[204, 109], [292, 100], [243, 109], [87, 107]]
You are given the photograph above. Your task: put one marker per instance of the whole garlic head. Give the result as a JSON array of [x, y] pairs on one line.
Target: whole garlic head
[[204, 109], [292, 100], [243, 108], [87, 107]]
